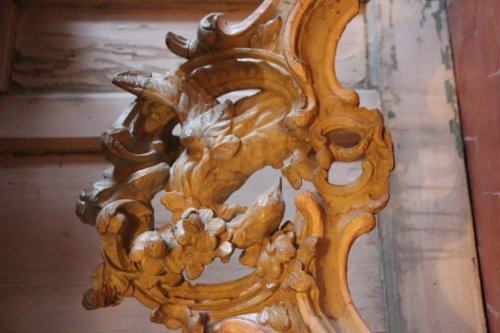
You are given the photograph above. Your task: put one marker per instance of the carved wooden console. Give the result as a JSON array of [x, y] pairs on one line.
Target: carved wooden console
[[301, 121]]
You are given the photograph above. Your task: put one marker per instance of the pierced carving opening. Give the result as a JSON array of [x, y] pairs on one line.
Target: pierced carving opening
[[260, 182], [162, 216], [236, 95], [217, 272], [348, 75], [342, 173], [344, 138], [177, 130]]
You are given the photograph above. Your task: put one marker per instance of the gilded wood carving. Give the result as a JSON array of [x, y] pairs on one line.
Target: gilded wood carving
[[300, 121]]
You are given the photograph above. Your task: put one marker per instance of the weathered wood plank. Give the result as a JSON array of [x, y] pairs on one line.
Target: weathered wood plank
[[80, 50], [8, 16], [430, 273]]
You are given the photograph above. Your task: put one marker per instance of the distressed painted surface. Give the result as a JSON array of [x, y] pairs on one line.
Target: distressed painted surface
[[430, 271], [80, 50], [475, 36]]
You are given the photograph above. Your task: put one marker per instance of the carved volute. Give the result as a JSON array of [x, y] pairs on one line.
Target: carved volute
[[300, 120]]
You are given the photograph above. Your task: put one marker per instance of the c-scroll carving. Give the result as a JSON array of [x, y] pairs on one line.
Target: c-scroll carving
[[300, 121]]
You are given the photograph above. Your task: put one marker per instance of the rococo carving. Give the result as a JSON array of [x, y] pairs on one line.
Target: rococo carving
[[300, 121]]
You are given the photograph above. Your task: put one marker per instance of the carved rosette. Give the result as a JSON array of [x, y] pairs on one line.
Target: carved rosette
[[301, 121]]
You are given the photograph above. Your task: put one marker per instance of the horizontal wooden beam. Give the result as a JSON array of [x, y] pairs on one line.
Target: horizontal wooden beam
[[55, 123]]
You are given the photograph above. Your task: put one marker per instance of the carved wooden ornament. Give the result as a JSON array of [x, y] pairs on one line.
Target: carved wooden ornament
[[300, 121]]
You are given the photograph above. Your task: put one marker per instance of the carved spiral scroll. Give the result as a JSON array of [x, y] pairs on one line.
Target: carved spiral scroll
[[300, 120]]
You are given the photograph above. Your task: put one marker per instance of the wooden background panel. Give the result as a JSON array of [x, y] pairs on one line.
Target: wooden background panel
[[79, 50]]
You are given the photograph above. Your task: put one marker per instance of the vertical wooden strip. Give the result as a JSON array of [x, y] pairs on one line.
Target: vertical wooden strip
[[8, 13], [430, 271], [475, 36]]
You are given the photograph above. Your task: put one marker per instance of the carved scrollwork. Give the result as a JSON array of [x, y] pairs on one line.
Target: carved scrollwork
[[300, 120]]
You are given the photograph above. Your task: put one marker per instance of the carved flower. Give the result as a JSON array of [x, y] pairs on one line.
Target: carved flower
[[280, 251], [200, 235], [151, 252]]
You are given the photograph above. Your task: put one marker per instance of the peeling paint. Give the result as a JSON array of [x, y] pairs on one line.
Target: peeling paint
[[454, 123], [438, 15], [446, 58]]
